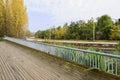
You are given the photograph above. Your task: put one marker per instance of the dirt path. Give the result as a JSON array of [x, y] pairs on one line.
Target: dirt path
[[21, 63]]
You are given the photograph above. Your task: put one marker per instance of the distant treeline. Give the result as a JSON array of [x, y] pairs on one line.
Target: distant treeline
[[13, 18], [102, 29]]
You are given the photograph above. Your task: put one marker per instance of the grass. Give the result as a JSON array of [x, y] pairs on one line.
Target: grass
[[1, 39], [82, 40]]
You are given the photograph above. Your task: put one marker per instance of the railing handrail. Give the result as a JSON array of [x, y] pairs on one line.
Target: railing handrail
[[104, 61], [88, 51], [76, 49]]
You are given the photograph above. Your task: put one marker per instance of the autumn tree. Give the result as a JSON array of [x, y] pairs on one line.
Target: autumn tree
[[2, 9], [13, 18], [19, 18], [115, 32], [59, 33], [8, 16]]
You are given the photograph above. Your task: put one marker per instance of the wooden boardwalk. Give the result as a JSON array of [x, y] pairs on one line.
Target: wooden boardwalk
[[21, 63]]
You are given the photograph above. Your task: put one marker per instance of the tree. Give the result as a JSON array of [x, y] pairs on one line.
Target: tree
[[115, 32], [90, 30], [2, 9], [19, 18], [103, 26], [65, 30], [72, 32], [53, 33], [59, 33], [8, 18], [82, 29], [13, 18]]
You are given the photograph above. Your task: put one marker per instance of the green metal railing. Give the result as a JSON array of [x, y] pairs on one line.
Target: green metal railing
[[103, 61]]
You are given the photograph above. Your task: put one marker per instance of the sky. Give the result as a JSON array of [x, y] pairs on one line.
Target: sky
[[44, 14]]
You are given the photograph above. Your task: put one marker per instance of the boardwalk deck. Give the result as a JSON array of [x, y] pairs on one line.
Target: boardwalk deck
[[22, 63]]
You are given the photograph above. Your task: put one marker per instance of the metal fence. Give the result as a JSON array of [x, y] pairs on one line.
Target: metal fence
[[103, 61]]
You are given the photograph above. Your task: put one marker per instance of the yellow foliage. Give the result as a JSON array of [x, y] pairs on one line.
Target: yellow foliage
[[115, 32], [15, 18]]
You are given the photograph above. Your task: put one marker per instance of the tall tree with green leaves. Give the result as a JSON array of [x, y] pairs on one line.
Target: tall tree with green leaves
[[103, 26], [82, 29]]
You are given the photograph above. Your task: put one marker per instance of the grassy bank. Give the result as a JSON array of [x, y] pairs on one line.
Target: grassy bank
[[1, 39]]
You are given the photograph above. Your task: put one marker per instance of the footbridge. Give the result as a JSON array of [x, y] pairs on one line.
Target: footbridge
[[26, 60]]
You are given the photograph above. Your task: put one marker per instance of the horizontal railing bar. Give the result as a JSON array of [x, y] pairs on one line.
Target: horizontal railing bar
[[88, 51], [76, 49]]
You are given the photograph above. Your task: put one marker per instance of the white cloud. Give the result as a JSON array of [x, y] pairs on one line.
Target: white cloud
[[73, 8], [68, 10]]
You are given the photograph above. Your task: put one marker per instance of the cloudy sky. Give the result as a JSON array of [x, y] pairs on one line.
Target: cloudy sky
[[44, 14]]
